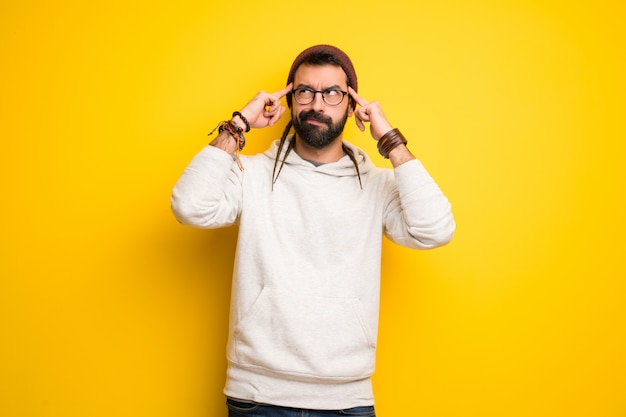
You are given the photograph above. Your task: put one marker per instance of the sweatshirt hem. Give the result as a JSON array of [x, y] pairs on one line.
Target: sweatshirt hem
[[246, 384]]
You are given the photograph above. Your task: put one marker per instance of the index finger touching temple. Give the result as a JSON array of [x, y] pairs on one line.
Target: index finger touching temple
[[359, 100], [284, 91]]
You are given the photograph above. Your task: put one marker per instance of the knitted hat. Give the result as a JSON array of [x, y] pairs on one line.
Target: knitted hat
[[339, 55]]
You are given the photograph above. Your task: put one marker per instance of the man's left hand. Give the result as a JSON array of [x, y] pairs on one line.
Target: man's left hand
[[370, 112]]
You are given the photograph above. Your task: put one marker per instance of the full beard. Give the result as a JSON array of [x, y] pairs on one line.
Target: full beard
[[318, 136]]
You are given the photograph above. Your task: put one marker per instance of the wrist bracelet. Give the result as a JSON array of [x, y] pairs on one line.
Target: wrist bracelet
[[389, 141], [243, 119], [236, 133]]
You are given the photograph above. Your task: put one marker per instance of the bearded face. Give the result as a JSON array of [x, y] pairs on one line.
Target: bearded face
[[321, 134]]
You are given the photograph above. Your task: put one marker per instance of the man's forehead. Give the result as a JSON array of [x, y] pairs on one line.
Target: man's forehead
[[320, 74]]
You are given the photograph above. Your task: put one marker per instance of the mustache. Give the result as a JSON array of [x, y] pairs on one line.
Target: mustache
[[316, 116]]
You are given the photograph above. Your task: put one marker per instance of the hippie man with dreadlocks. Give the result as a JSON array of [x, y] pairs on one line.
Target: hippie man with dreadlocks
[[312, 211]]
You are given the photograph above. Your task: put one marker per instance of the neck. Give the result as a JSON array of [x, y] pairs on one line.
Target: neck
[[330, 153]]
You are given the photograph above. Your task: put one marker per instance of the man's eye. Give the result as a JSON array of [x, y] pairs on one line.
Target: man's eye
[[331, 93]]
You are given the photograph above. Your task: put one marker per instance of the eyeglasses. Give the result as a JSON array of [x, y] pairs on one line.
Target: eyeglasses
[[332, 97]]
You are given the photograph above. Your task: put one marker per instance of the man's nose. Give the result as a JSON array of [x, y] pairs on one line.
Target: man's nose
[[318, 103]]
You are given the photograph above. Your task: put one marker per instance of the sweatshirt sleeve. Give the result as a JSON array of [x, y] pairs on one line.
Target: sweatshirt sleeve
[[418, 214], [208, 194]]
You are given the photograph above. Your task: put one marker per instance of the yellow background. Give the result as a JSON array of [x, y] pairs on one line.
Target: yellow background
[[108, 307]]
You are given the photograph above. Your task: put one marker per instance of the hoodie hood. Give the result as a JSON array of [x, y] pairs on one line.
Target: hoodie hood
[[341, 168]]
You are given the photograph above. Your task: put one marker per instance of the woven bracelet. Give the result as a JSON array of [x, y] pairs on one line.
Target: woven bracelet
[[389, 141], [236, 132]]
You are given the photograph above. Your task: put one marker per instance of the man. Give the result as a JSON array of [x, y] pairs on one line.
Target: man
[[312, 211]]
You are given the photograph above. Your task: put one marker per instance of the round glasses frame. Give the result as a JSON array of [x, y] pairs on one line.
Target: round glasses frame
[[297, 94]]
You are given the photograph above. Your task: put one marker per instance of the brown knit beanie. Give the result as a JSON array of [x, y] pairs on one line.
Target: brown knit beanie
[[340, 56]]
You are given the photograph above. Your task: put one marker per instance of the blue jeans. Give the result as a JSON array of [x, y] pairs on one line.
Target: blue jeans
[[241, 408]]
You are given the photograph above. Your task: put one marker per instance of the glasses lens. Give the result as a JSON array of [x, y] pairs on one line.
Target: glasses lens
[[333, 97], [304, 96]]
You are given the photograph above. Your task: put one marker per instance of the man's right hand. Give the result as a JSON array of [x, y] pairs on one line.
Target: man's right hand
[[264, 109]]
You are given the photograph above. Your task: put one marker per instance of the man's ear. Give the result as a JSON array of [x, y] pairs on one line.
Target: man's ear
[[351, 106]]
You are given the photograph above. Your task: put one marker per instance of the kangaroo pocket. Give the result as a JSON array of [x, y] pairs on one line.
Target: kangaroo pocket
[[305, 336]]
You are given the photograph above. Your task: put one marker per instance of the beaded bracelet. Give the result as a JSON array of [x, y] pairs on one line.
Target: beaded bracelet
[[242, 119], [389, 141]]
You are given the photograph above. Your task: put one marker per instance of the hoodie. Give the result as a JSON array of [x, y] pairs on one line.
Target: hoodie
[[305, 298]]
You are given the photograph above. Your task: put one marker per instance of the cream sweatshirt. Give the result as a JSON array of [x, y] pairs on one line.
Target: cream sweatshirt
[[305, 297]]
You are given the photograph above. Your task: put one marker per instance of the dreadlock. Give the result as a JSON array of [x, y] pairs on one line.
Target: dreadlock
[[281, 145], [350, 154], [280, 148]]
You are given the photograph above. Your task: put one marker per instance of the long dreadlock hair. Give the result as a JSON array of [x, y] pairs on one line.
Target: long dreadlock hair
[[281, 145]]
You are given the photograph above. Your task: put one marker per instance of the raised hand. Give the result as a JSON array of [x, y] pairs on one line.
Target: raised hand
[[265, 109], [370, 112]]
